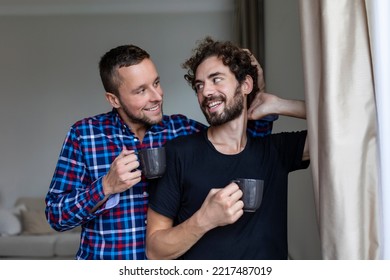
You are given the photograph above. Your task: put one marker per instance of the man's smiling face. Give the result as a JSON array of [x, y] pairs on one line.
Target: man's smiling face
[[219, 93], [140, 93]]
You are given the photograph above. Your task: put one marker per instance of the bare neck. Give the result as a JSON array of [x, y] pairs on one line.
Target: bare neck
[[229, 138]]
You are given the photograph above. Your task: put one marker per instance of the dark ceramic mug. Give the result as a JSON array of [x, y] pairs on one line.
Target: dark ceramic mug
[[252, 190], [153, 162]]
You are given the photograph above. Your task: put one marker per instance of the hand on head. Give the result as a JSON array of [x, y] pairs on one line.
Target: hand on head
[[263, 105], [260, 73]]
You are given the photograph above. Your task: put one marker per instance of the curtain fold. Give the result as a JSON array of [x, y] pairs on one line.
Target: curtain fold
[[341, 114], [379, 22], [249, 25]]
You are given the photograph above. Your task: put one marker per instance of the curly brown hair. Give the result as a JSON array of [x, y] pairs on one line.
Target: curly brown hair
[[237, 59]]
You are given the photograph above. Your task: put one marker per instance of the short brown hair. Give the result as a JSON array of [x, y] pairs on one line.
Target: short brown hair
[[121, 56]]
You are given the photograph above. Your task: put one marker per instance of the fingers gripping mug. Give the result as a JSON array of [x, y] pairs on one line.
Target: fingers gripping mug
[[252, 190]]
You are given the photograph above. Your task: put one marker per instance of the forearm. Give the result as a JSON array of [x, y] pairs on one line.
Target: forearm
[[266, 104], [221, 207], [291, 108], [68, 209], [172, 242]]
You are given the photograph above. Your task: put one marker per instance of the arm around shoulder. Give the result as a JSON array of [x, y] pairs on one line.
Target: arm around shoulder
[[292, 108], [266, 104]]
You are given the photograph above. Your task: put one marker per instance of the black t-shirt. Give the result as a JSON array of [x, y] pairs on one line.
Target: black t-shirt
[[194, 166]]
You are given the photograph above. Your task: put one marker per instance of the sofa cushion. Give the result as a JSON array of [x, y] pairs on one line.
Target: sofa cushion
[[32, 203], [33, 216], [67, 244], [9, 223], [27, 246], [34, 222], [38, 240]]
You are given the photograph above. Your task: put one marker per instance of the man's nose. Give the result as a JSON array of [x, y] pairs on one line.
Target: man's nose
[[156, 94], [208, 89]]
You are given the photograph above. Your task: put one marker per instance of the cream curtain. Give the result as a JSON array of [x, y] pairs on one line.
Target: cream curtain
[[339, 92], [379, 19]]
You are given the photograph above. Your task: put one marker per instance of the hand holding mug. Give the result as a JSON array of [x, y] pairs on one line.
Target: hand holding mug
[[123, 173]]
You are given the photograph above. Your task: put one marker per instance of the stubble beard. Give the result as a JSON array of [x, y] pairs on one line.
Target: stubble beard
[[145, 121]]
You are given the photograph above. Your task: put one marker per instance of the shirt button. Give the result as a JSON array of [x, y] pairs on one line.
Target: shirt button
[[145, 193], [146, 222]]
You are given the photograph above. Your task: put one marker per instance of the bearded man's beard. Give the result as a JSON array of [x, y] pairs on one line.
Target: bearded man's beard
[[230, 112]]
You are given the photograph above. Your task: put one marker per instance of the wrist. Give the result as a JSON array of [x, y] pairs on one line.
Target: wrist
[[200, 223], [106, 187]]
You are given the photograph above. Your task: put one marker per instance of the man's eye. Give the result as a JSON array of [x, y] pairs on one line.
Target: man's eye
[[198, 87], [217, 79], [156, 83]]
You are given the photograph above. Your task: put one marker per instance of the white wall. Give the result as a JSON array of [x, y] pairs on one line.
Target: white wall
[[49, 79]]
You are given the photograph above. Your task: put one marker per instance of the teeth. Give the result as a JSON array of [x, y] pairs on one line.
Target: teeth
[[214, 104], [153, 108]]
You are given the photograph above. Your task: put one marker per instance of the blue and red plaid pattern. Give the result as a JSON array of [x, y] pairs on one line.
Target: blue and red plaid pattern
[[114, 231]]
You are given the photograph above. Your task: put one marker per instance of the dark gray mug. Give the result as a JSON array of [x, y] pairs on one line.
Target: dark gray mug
[[252, 190], [153, 162]]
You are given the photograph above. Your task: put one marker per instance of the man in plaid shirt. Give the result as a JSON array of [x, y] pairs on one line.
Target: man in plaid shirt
[[97, 184]]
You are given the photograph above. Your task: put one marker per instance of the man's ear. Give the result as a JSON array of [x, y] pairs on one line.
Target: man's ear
[[247, 85], [113, 100]]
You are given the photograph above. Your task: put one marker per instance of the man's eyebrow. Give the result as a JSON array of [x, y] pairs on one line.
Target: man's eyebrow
[[138, 88], [212, 75], [145, 85]]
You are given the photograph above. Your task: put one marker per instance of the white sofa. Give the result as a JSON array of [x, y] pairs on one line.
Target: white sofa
[[25, 233]]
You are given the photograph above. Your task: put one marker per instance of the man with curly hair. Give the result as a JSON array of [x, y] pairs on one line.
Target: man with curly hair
[[195, 211]]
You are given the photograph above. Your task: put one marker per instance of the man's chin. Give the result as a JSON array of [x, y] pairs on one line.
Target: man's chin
[[147, 121], [155, 120], [214, 119]]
